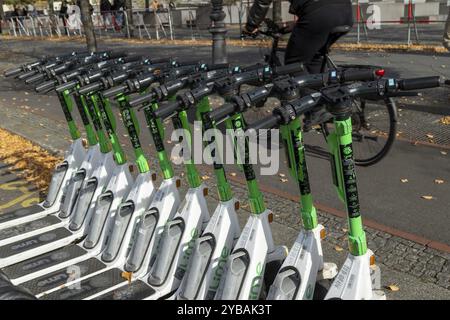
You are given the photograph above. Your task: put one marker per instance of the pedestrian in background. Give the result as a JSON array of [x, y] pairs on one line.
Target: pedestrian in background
[[447, 32]]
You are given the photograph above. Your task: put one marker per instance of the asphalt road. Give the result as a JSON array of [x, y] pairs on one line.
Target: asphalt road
[[384, 198]]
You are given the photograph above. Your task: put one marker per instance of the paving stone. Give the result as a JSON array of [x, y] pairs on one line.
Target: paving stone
[[436, 260], [429, 276], [403, 266]]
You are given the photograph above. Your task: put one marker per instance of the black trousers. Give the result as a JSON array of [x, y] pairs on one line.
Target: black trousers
[[311, 32]]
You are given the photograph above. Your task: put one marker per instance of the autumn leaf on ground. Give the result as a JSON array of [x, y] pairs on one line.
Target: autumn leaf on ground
[[445, 120], [438, 181], [344, 229], [205, 177], [284, 180], [338, 248], [404, 180], [393, 287], [444, 153], [233, 174], [282, 175], [429, 136], [427, 197]]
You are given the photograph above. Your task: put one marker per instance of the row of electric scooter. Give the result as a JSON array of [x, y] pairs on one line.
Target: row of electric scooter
[[106, 233]]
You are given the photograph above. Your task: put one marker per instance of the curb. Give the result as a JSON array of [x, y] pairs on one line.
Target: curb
[[372, 47]]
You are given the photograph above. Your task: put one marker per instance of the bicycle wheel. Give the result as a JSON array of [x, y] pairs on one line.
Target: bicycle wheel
[[374, 130]]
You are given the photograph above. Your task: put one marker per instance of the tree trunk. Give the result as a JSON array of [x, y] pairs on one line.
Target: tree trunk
[[2, 15], [129, 13], [277, 11], [88, 26]]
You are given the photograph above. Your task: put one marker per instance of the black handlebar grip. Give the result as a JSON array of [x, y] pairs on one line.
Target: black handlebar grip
[[289, 69], [132, 58], [114, 91], [141, 100], [35, 78], [166, 110], [253, 67], [420, 83], [188, 63], [221, 113], [117, 54], [46, 86], [218, 66], [66, 86], [269, 122], [359, 75], [160, 60], [12, 72], [90, 87], [27, 74]]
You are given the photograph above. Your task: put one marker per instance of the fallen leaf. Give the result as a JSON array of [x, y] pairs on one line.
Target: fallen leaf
[[443, 153], [233, 174], [427, 197], [282, 175], [404, 180], [169, 141], [438, 181], [445, 120], [344, 229], [284, 180], [338, 248], [393, 287], [205, 177], [429, 136]]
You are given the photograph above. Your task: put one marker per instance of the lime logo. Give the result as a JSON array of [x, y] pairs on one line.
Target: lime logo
[[259, 269], [256, 282], [238, 123], [219, 270], [347, 151], [194, 233], [309, 292]]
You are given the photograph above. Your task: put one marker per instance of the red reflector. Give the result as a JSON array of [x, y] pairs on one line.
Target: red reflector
[[380, 72]]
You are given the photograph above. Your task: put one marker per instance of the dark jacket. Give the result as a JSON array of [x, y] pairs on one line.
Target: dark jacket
[[298, 7]]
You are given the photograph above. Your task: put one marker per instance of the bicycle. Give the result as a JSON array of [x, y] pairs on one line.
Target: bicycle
[[374, 123]]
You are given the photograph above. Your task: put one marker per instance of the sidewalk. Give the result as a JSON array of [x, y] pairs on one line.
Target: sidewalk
[[420, 272]]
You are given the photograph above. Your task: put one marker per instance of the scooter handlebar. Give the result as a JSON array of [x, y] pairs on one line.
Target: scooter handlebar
[[166, 110], [12, 72], [420, 83], [90, 87], [266, 123], [222, 112], [141, 100], [359, 75], [35, 78], [114, 91], [289, 69], [46, 86]]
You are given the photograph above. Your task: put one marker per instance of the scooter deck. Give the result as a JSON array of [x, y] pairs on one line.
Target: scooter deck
[[137, 290], [60, 277], [44, 261], [29, 227], [20, 213], [88, 287], [33, 242]]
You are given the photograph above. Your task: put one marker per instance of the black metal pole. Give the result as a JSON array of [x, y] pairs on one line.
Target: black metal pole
[[218, 32]]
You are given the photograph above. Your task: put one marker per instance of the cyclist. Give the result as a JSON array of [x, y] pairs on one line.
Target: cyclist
[[316, 19]]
